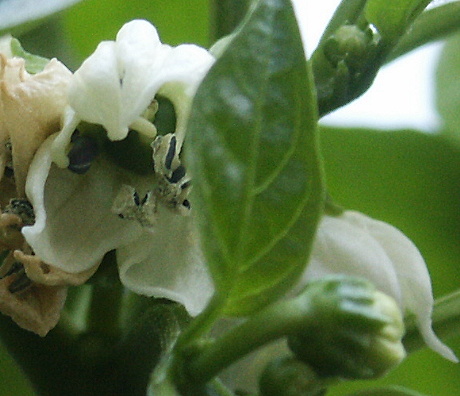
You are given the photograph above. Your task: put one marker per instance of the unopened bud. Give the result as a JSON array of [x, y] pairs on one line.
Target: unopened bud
[[358, 332], [352, 45], [288, 376]]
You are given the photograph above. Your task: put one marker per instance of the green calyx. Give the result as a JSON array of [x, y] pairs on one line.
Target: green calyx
[[357, 331]]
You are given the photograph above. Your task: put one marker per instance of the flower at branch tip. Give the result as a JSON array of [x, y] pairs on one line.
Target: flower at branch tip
[[357, 245], [118, 82], [354, 244], [357, 333], [87, 204]]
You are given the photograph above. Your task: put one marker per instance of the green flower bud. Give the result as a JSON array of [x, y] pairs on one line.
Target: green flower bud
[[289, 377], [358, 330], [352, 45]]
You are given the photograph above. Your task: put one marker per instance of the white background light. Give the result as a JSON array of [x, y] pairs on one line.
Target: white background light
[[402, 95]]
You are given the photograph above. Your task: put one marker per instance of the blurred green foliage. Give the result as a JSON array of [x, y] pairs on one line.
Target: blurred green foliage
[[177, 21]]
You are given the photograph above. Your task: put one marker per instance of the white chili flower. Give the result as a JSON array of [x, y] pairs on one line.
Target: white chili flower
[[357, 245], [84, 213], [116, 84]]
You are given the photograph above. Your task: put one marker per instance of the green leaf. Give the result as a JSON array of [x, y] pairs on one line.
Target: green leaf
[[34, 63], [387, 391], [431, 25], [254, 159], [392, 17], [15, 13], [448, 88]]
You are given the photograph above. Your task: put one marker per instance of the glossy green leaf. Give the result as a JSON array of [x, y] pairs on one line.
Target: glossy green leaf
[[448, 88], [254, 161], [15, 13], [392, 17]]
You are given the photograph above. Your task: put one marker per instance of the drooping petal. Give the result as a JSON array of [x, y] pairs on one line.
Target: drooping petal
[[413, 276], [74, 224], [39, 272], [354, 244], [32, 109], [341, 247], [167, 262]]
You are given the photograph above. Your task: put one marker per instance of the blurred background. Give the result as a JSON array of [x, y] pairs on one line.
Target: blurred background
[[387, 154]]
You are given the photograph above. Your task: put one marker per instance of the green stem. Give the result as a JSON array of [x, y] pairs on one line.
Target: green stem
[[430, 26], [348, 12], [104, 311], [272, 323], [446, 322], [203, 322]]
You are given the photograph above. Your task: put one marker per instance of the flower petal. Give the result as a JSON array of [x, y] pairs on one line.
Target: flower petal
[[167, 263], [342, 248], [32, 107], [181, 74], [37, 309], [413, 276], [74, 225], [357, 245], [118, 81]]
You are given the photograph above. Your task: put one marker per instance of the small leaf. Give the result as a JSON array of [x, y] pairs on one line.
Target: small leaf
[[14, 13], [253, 155], [34, 63], [448, 88], [392, 17]]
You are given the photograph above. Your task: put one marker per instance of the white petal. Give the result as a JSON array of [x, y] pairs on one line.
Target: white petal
[[357, 245], [413, 276], [342, 248], [95, 92], [181, 74], [74, 225], [118, 81], [167, 263]]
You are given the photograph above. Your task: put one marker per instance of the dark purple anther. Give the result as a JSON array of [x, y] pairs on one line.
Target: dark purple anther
[[82, 153]]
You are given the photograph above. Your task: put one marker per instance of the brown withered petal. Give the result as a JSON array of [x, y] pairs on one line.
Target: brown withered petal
[[10, 231], [40, 272], [36, 309], [32, 107]]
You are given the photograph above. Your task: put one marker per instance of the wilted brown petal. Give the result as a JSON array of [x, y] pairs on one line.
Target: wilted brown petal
[[45, 274], [32, 107], [36, 309]]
